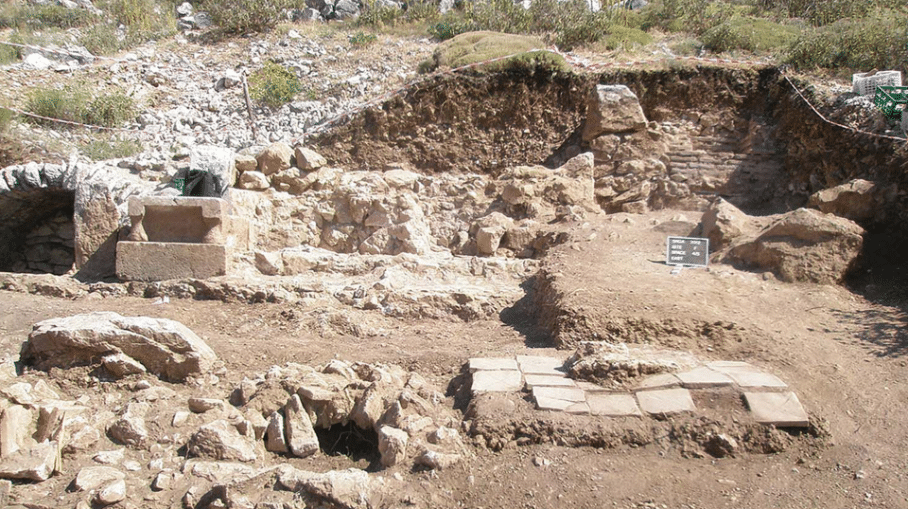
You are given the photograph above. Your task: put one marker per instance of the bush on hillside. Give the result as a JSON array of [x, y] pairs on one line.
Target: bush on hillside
[[273, 85], [474, 47], [749, 33], [879, 41], [144, 20], [76, 104], [245, 16]]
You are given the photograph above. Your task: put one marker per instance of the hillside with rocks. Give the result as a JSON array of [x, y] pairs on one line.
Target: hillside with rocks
[[454, 289]]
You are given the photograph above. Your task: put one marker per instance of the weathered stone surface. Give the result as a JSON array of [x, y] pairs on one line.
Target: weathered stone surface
[[218, 161], [803, 245], [301, 437], [492, 364], [274, 434], [723, 223], [497, 381], [533, 365], [438, 460], [563, 393], [750, 377], [201, 405], [274, 158], [307, 159], [660, 381], [34, 464], [349, 488], [220, 440], [120, 365], [612, 109], [782, 409], [254, 181], [561, 405], [392, 445], [666, 402], [548, 381], [165, 347], [703, 378], [613, 405], [245, 163], [129, 428], [400, 178], [15, 427], [490, 230], [160, 261], [858, 200], [90, 478], [111, 493]]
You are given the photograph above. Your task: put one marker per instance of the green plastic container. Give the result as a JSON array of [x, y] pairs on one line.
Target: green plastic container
[[179, 183], [892, 100]]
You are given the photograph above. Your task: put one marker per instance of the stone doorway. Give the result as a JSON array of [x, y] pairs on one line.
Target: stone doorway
[[37, 231]]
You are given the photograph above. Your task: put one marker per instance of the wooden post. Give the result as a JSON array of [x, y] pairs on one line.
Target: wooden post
[[255, 133]]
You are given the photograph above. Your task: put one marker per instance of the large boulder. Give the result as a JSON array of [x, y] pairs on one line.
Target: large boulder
[[274, 158], [218, 161], [221, 441], [723, 223], [802, 245], [612, 109], [165, 347], [858, 200]]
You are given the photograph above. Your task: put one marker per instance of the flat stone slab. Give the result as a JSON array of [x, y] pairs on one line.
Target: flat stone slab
[[613, 405], [562, 393], [532, 365], [704, 378], [781, 409], [591, 388], [548, 381], [497, 381], [720, 365], [660, 381], [753, 378], [560, 405], [665, 402], [160, 261], [492, 364]]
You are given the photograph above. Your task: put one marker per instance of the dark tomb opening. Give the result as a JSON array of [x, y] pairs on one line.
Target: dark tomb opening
[[37, 231]]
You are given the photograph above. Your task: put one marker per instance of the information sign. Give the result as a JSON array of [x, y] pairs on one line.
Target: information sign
[[687, 251]]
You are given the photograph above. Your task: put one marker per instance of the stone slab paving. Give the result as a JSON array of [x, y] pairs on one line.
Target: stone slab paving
[[660, 381], [492, 364], [563, 393], [781, 409], [659, 395], [666, 402], [497, 381], [532, 365], [560, 405], [704, 378], [613, 405], [748, 376], [548, 381]]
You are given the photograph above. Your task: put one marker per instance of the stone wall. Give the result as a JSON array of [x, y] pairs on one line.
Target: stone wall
[[48, 247]]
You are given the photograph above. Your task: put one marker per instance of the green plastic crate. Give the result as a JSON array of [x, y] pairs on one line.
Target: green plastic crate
[[892, 100], [179, 183]]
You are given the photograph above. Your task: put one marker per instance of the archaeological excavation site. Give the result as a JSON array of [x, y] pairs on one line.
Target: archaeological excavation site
[[459, 296]]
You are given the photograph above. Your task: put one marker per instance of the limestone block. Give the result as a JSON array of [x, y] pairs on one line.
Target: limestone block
[[218, 161], [301, 437], [274, 158], [159, 261], [392, 445], [307, 159], [612, 109]]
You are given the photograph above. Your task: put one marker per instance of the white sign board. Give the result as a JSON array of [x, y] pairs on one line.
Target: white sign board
[[687, 251]]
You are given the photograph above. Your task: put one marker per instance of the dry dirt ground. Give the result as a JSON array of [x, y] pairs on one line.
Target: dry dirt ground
[[843, 355]]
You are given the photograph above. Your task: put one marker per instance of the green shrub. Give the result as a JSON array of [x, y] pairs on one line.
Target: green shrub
[[451, 26], [8, 54], [15, 15], [875, 42], [104, 149], [244, 16], [695, 16], [111, 110], [144, 20], [749, 33], [273, 85], [76, 104], [361, 39], [623, 37], [68, 103], [100, 39], [377, 14]]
